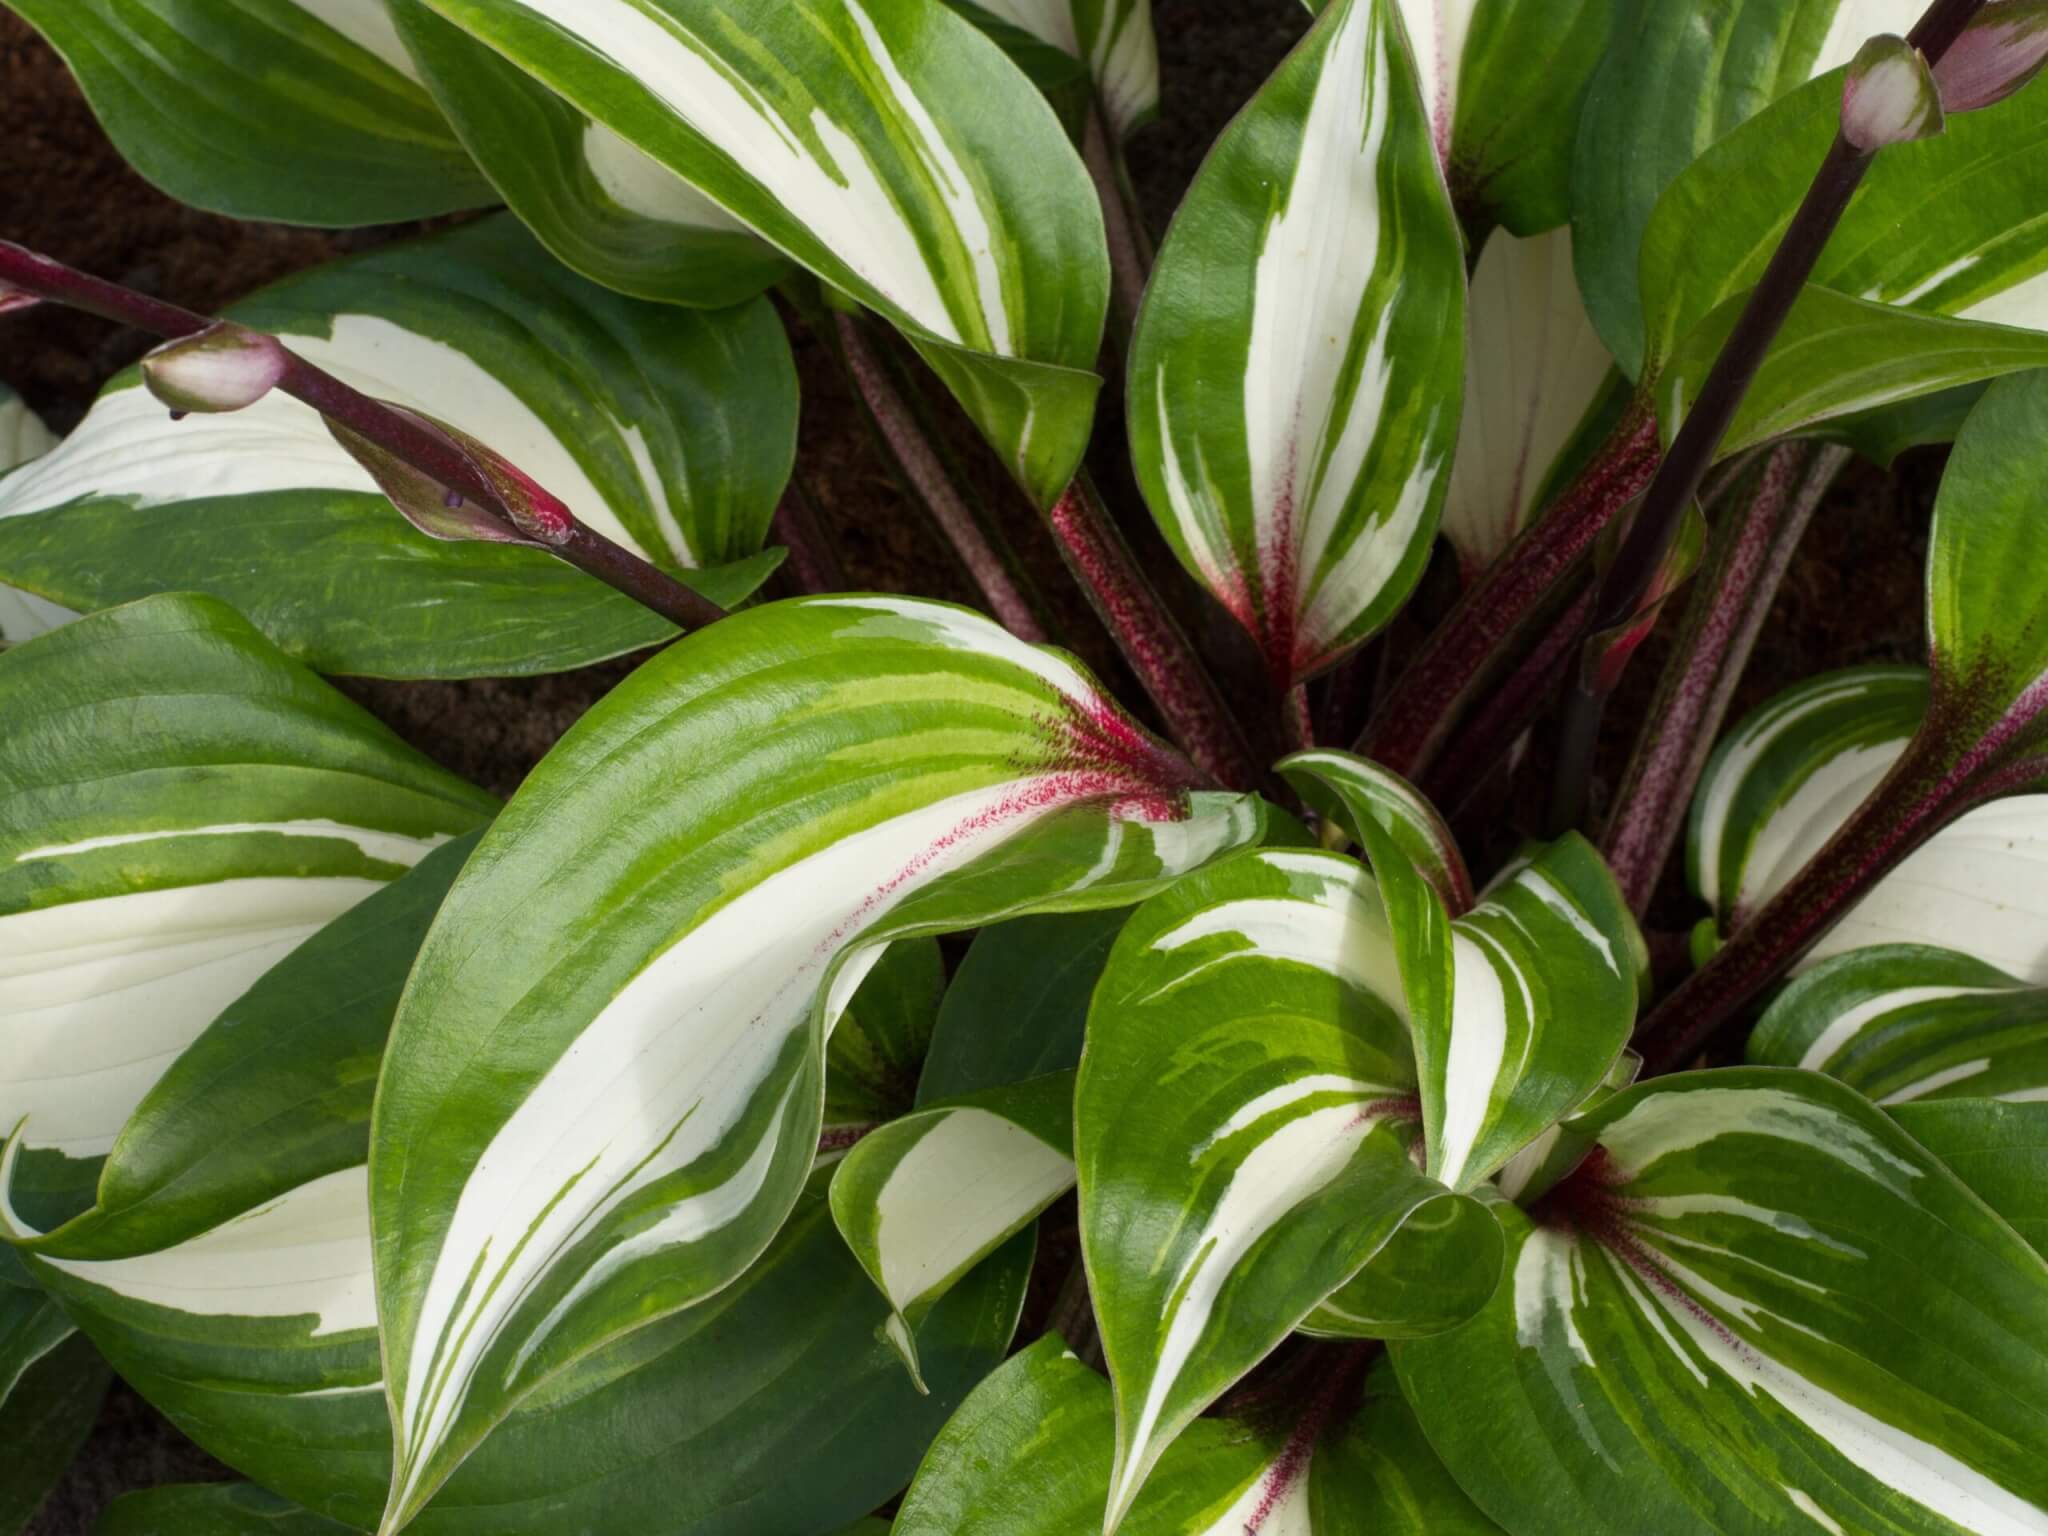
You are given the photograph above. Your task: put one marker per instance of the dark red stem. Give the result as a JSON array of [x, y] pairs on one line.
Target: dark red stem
[[1746, 563], [1130, 246], [1411, 725], [394, 431]]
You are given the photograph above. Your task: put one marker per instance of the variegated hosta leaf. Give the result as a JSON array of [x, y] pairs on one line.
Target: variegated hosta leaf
[[1900, 1022], [810, 779], [51, 1383], [1295, 374], [1018, 1004], [1534, 369], [878, 1048], [1999, 1149], [669, 430], [1246, 1110], [1112, 39], [210, 1509], [180, 807], [1676, 78], [600, 205], [1759, 1307], [23, 436], [1362, 797], [891, 149], [924, 1199], [1028, 1454], [243, 1307], [306, 111], [1792, 772]]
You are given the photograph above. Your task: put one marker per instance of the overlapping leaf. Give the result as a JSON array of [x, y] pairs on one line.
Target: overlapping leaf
[[1296, 371], [669, 430], [1028, 1454], [878, 1048], [307, 111], [23, 436], [891, 149], [243, 1305], [180, 807], [51, 1383], [1366, 801], [1998, 1148], [1244, 1119], [1792, 772], [210, 1509], [1759, 1307], [1111, 40], [1902, 1022], [924, 1199], [808, 780]]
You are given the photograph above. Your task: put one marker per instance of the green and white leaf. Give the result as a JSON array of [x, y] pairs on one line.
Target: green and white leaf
[[303, 111], [1760, 1307], [51, 1383], [891, 149], [599, 204], [180, 808], [878, 1048], [210, 1509], [1244, 1121], [1791, 773], [1904, 1022], [1535, 368], [811, 779], [1999, 1149], [1365, 800], [669, 430], [924, 1199], [1677, 78], [1112, 39], [23, 436], [1295, 380], [1028, 1454], [1018, 1005]]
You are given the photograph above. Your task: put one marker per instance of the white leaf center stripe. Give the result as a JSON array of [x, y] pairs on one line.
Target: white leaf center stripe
[[641, 184], [656, 1081], [366, 24], [839, 196], [1850, 1023], [387, 847]]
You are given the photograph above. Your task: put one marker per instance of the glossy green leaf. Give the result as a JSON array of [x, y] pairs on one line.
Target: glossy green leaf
[[891, 149], [1244, 1119], [600, 205], [1537, 1168], [1944, 227], [1677, 77], [1296, 372], [1987, 581], [1354, 791], [1760, 1307], [1018, 1005], [210, 1509], [1028, 1454], [1790, 774], [669, 430], [305, 111], [1111, 40], [1999, 1149], [878, 1048], [180, 807], [1900, 1022], [810, 780], [924, 1199], [23, 436], [51, 1383]]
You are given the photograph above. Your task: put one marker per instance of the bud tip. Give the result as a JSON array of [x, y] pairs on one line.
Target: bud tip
[[225, 367], [1890, 96]]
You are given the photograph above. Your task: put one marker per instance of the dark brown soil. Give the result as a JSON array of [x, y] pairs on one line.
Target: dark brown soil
[[1853, 596]]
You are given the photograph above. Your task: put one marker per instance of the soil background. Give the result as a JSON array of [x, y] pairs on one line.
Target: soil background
[[1853, 596]]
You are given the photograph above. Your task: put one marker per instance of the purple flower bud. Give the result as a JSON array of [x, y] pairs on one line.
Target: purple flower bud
[[2003, 48], [225, 367], [1889, 97]]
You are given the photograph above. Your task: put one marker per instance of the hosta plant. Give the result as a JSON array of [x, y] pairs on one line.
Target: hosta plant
[[877, 1074]]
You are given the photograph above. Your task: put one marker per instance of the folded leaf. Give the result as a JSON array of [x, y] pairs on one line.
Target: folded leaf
[[1355, 792], [51, 1383], [1676, 78], [1999, 1149], [1900, 1022], [599, 204], [1791, 773], [1534, 369], [809, 780], [924, 1199], [210, 1509], [304, 111], [1112, 38], [182, 807], [890, 149], [1255, 1012], [669, 430], [1295, 379], [1759, 1307]]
